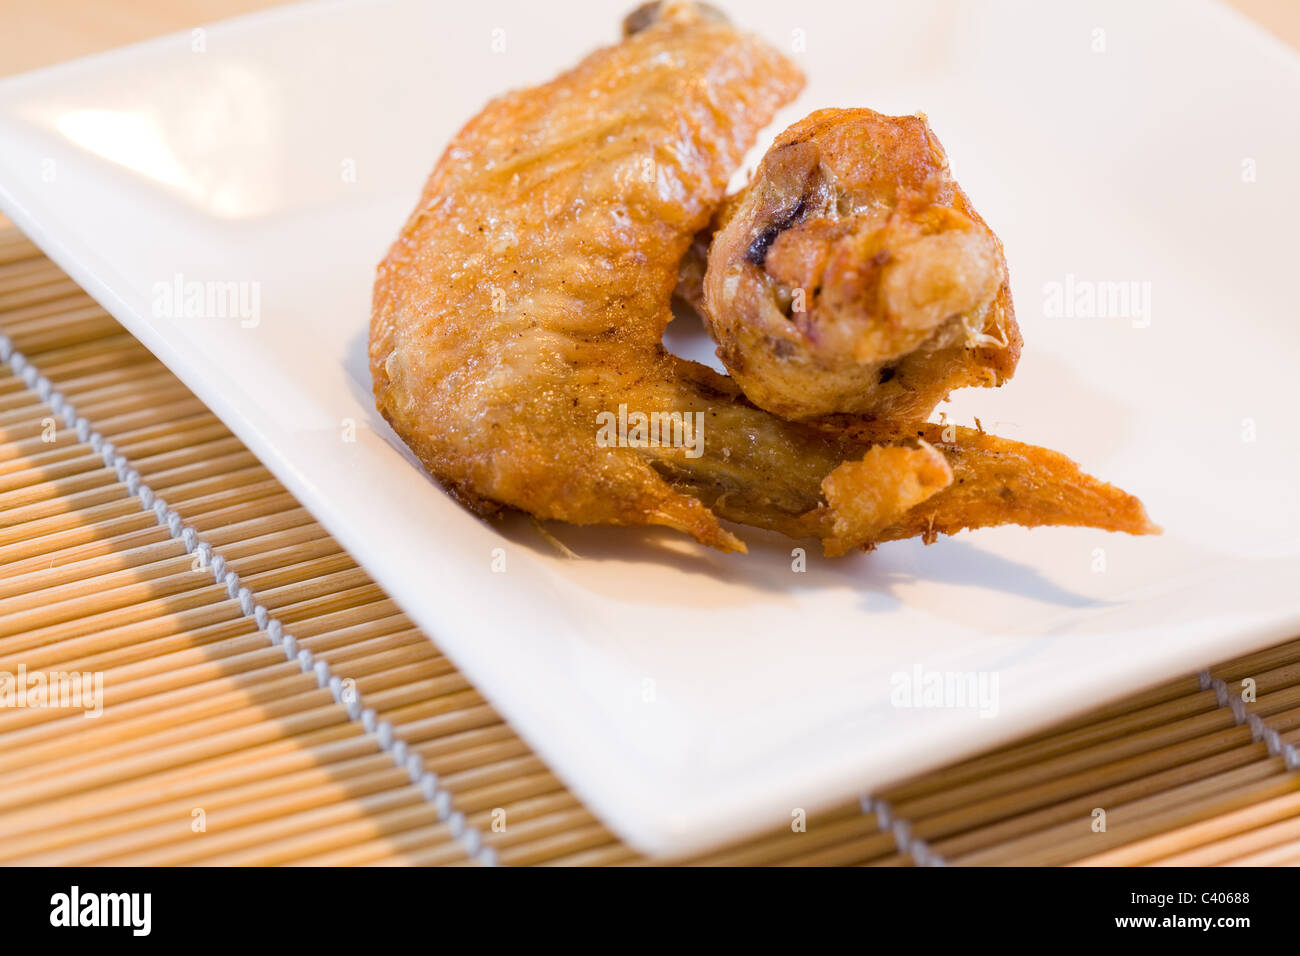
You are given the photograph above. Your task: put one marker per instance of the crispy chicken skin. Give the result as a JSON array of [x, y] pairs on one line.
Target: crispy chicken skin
[[527, 295], [529, 290], [852, 275]]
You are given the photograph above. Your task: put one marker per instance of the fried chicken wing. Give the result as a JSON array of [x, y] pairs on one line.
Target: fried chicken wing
[[852, 275], [522, 307], [529, 290]]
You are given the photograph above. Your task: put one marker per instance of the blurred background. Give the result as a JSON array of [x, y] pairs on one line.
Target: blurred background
[[41, 32]]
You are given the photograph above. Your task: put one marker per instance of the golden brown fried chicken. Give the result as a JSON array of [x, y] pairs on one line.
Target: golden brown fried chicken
[[523, 305], [852, 275], [529, 290]]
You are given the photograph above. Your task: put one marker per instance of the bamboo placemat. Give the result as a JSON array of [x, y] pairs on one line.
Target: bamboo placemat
[[265, 703]]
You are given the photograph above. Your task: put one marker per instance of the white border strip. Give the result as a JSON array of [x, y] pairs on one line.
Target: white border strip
[[385, 734]]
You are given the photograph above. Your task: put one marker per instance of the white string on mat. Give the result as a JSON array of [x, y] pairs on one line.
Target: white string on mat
[[921, 852], [349, 698], [1259, 730]]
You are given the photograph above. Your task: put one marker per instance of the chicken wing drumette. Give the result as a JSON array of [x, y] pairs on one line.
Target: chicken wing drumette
[[852, 275]]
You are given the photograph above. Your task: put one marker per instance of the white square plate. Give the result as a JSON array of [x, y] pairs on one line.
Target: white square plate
[[689, 697]]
